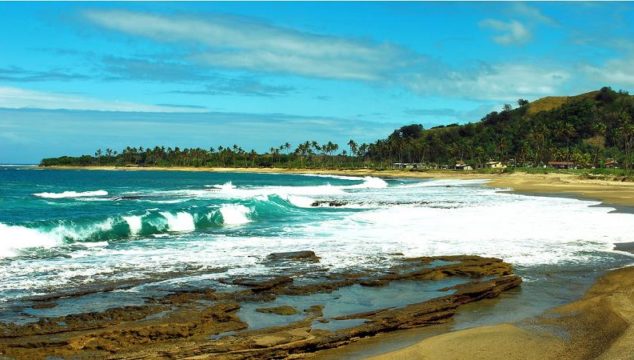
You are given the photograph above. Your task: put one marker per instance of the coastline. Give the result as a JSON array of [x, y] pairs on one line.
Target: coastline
[[609, 192], [596, 326]]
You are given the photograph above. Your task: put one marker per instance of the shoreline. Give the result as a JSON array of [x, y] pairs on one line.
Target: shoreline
[[596, 326], [599, 325], [609, 192]]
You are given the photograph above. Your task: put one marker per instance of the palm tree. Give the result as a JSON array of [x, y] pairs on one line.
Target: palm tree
[[353, 147]]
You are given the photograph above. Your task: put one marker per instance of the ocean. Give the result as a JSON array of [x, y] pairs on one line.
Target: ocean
[[65, 231]]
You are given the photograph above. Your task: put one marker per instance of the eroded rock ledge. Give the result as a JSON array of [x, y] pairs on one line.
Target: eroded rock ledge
[[209, 323]]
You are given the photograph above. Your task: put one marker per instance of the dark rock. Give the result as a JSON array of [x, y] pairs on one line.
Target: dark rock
[[279, 310], [45, 305], [304, 255], [330, 203], [263, 283]]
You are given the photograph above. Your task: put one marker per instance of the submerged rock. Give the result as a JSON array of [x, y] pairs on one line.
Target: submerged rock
[[279, 310], [304, 255]]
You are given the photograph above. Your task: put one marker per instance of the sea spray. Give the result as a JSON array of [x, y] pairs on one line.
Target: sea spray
[[181, 221], [370, 182], [14, 238], [234, 214], [135, 223]]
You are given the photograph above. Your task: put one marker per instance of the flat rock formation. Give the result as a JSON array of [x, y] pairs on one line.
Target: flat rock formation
[[298, 312], [599, 326]]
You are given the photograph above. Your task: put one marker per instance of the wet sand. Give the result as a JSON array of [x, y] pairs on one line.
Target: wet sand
[[597, 326]]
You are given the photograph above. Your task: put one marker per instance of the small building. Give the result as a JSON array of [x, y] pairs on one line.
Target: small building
[[401, 165], [460, 165], [562, 164], [495, 165], [611, 164]]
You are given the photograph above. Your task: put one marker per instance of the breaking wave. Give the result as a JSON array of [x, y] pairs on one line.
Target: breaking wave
[[14, 239], [71, 194], [234, 214]]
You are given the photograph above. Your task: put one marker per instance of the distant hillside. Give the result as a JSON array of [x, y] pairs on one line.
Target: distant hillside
[[588, 129], [553, 102]]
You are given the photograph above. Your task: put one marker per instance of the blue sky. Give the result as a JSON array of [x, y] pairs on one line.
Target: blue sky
[[75, 77]]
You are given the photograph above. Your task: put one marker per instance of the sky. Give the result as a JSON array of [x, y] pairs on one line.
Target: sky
[[77, 76]]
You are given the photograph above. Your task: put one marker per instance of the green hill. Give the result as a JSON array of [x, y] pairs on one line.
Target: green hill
[[587, 129]]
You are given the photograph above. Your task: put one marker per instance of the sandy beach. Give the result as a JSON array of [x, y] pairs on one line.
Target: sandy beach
[[599, 326]]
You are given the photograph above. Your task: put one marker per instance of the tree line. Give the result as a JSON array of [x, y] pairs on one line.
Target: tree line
[[587, 130], [307, 154]]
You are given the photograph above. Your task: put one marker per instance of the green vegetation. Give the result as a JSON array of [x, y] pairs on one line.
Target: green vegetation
[[592, 130]]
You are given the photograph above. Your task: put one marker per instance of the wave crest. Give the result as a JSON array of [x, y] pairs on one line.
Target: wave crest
[[71, 194]]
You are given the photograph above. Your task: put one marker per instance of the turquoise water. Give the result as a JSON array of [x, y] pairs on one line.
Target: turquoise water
[[63, 231]]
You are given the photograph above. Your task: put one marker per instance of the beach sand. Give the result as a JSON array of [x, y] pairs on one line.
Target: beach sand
[[597, 326]]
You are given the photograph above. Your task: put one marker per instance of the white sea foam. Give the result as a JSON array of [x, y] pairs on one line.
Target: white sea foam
[[234, 214], [71, 194], [340, 177], [228, 186], [230, 191], [135, 222], [88, 199], [300, 201], [369, 182], [181, 221], [523, 230], [445, 183], [14, 238]]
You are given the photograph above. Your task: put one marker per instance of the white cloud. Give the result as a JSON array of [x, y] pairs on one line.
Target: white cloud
[[532, 13], [613, 72], [512, 32], [245, 44], [505, 82], [240, 43], [18, 98]]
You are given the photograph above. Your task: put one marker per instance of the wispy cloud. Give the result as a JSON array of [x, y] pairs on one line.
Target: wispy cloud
[[510, 32], [19, 74], [241, 43], [19, 98], [532, 13], [156, 70], [615, 72], [437, 116], [504, 82], [238, 86]]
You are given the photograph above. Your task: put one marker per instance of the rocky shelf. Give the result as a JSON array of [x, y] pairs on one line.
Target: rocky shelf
[[266, 317]]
